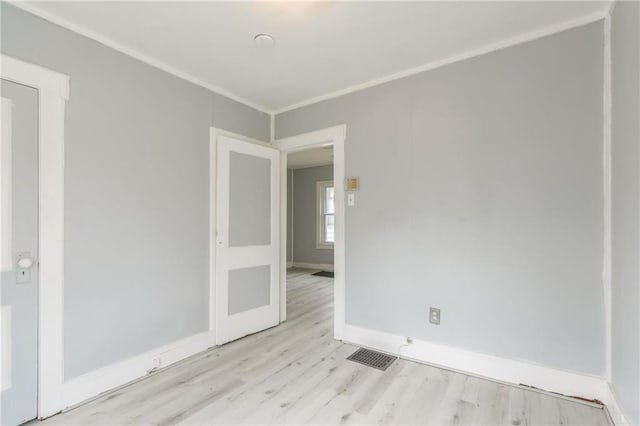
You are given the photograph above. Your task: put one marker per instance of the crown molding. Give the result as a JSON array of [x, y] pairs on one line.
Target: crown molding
[[488, 48], [34, 10]]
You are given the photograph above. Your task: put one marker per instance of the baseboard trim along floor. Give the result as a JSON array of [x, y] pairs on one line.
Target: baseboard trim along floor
[[297, 373], [89, 385], [482, 365], [614, 409]]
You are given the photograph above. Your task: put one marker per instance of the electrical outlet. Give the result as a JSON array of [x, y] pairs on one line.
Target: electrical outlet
[[434, 316]]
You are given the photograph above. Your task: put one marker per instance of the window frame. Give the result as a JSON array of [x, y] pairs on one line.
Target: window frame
[[321, 187]]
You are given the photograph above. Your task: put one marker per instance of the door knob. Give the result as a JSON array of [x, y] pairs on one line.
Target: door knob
[[25, 262]]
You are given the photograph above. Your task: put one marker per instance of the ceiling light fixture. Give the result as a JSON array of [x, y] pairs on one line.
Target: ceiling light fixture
[[264, 40]]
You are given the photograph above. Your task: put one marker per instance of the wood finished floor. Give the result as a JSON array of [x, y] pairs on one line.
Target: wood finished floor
[[297, 374]]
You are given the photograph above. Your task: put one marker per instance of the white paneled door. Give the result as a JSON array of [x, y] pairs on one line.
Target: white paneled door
[[247, 238], [18, 253]]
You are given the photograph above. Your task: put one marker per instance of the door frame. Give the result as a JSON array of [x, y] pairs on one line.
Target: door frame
[[53, 92], [214, 132], [334, 136]]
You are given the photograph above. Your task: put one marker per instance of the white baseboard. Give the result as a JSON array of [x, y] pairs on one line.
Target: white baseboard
[[289, 264], [89, 385], [492, 367], [614, 409], [479, 364], [305, 265]]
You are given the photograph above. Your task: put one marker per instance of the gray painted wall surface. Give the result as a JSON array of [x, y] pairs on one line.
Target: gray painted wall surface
[[481, 194], [136, 193], [304, 215], [625, 180]]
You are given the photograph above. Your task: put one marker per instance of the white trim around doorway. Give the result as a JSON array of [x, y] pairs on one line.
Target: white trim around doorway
[[334, 136], [53, 92]]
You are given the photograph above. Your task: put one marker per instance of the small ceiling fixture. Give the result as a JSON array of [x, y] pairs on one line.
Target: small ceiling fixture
[[263, 40]]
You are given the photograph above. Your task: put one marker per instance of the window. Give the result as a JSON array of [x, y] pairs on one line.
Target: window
[[326, 215]]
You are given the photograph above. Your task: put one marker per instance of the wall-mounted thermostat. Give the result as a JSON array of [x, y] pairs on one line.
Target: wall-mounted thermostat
[[351, 184]]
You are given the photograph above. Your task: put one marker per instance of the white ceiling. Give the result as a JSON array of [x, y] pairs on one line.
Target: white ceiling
[[310, 158], [321, 46]]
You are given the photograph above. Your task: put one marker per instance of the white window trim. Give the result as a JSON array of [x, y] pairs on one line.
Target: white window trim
[[320, 188]]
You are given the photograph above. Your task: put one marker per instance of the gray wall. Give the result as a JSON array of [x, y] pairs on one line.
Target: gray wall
[[304, 215], [136, 193], [625, 179], [481, 194]]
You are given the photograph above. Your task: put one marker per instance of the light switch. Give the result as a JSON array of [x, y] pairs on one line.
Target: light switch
[[434, 315], [351, 199]]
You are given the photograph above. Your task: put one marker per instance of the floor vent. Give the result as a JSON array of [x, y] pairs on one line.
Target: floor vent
[[372, 358]]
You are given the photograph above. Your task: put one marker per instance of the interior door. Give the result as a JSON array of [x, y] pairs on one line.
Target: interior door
[[247, 238], [18, 251]]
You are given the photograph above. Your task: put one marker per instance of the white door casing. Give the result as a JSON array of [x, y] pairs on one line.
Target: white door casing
[[334, 136], [246, 246]]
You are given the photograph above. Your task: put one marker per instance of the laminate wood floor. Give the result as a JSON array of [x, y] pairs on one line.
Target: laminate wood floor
[[297, 374]]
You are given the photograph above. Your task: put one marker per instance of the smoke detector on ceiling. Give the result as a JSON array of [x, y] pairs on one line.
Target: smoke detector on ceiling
[[263, 41]]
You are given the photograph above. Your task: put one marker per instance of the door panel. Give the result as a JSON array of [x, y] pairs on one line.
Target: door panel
[[249, 204], [249, 288], [247, 242], [19, 217]]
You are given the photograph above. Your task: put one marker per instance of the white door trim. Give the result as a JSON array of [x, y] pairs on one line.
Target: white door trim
[[330, 136], [53, 92]]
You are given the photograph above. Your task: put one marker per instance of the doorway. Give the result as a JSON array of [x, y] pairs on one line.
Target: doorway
[[258, 170], [310, 219], [329, 223], [310, 209]]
